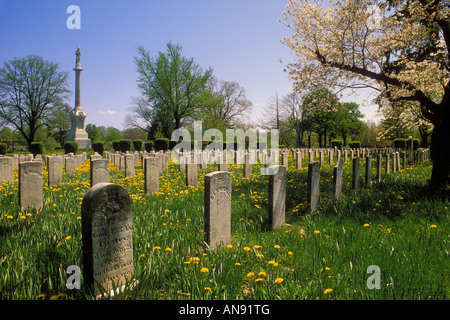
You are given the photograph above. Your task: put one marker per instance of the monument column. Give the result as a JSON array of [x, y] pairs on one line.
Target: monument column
[[77, 116], [77, 70]]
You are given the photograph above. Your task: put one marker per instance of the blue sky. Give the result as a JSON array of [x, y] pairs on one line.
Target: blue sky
[[239, 39]]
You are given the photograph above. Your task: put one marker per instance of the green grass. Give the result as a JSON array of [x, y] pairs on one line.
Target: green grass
[[398, 225]]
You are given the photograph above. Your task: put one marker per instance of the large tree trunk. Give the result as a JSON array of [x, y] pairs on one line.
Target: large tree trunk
[[440, 149]]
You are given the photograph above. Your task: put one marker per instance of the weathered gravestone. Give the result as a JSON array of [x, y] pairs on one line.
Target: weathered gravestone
[[182, 161], [247, 166], [394, 162], [387, 163], [70, 164], [379, 163], [130, 170], [54, 170], [321, 158], [299, 160], [191, 173], [95, 156], [217, 208], [355, 174], [99, 171], [368, 172], [151, 175], [313, 184], [204, 159], [30, 184], [277, 196], [222, 160], [106, 226], [337, 179], [122, 163], [284, 159], [6, 169], [410, 150]]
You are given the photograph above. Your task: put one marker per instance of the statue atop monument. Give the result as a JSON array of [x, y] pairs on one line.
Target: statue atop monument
[[77, 116], [77, 61]]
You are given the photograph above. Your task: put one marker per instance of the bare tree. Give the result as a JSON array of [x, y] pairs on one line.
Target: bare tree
[[228, 105]]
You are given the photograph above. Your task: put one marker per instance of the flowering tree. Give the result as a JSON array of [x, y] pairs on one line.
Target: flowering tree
[[400, 48]]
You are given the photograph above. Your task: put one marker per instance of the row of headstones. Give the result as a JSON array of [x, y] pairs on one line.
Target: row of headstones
[[107, 225], [188, 162], [31, 174], [107, 246], [416, 156], [157, 161]]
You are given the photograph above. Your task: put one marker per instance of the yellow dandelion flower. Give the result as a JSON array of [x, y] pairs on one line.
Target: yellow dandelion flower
[[316, 231], [366, 225], [207, 288], [256, 246], [250, 274], [142, 256], [276, 246], [433, 226], [68, 237], [245, 248], [290, 253], [204, 270], [279, 280], [327, 291], [262, 274], [156, 248], [237, 264], [168, 250], [229, 246], [259, 280]]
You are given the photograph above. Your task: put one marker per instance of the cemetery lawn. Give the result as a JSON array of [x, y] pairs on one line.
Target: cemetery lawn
[[398, 225]]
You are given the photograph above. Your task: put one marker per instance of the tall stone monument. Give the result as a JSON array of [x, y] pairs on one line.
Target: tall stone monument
[[77, 116]]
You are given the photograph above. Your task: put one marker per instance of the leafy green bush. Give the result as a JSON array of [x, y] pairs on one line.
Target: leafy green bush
[[137, 145], [354, 144], [116, 145], [3, 148], [70, 147], [172, 144], [161, 144], [337, 143], [98, 146], [36, 148], [149, 145], [400, 143], [125, 145]]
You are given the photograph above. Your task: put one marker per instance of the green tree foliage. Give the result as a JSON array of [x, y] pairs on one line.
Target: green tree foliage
[[324, 114], [30, 88], [172, 87]]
